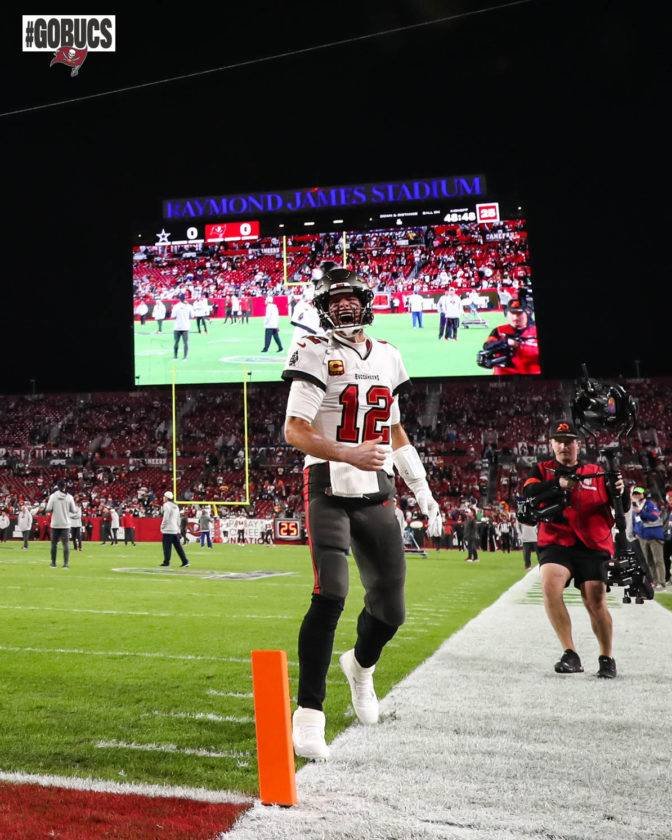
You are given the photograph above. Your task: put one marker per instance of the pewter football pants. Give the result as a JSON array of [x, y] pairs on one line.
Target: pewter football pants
[[370, 528]]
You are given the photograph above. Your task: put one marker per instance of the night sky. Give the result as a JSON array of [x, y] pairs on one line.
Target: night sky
[[559, 103]]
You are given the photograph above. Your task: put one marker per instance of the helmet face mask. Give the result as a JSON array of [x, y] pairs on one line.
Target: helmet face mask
[[330, 292]]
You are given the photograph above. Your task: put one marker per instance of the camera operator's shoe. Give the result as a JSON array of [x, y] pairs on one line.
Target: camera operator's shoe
[[569, 663], [607, 668], [364, 700], [308, 734]]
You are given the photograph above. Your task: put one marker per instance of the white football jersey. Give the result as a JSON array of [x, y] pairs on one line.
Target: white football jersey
[[353, 399], [305, 320]]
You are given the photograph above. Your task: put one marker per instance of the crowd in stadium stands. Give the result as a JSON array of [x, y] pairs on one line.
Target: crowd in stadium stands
[[465, 256], [478, 439]]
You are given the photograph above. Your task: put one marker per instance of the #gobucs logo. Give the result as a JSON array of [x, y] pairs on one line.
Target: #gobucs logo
[[562, 427], [70, 56]]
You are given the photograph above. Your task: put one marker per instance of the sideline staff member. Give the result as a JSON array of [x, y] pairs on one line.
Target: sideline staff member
[[576, 544]]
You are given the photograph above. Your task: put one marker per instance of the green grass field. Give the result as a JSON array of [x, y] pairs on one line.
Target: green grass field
[[230, 349], [143, 675]]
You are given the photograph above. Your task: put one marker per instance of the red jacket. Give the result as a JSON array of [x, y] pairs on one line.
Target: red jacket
[[127, 521], [588, 515], [525, 358]]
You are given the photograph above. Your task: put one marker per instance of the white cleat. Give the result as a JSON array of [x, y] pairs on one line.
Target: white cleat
[[364, 700], [308, 734]]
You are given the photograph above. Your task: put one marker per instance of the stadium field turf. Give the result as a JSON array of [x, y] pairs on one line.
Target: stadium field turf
[[119, 670], [230, 349]]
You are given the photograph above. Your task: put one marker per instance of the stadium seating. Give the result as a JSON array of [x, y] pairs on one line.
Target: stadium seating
[[478, 440]]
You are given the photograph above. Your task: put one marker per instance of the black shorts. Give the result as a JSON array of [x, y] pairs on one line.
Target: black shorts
[[583, 563]]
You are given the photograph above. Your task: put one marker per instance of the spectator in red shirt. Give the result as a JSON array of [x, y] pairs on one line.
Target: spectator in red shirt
[[128, 524]]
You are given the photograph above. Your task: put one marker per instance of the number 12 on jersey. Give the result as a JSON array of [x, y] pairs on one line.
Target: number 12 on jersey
[[380, 399]]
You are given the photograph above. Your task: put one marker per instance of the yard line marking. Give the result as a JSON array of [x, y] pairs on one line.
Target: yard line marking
[[174, 749], [100, 612], [210, 716], [247, 695], [142, 654], [149, 613], [103, 786]]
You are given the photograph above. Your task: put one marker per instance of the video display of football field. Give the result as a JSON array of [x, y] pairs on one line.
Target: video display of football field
[[228, 350]]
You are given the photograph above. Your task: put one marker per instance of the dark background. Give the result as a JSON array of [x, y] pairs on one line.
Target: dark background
[[559, 103]]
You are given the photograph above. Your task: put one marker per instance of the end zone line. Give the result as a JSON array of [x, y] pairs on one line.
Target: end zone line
[[104, 786]]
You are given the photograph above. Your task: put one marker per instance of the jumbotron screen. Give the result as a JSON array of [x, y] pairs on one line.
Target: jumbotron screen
[[224, 285]]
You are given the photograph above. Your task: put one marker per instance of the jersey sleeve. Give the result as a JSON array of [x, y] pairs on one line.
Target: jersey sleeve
[[400, 381], [494, 336], [304, 401], [395, 414], [306, 362], [537, 483]]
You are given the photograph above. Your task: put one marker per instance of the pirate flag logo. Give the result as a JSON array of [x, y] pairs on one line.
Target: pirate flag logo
[[70, 56]]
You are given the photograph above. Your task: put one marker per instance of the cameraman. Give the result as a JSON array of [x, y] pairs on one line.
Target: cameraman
[[576, 543], [512, 347]]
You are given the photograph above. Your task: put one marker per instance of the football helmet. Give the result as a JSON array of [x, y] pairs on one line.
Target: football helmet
[[333, 282]]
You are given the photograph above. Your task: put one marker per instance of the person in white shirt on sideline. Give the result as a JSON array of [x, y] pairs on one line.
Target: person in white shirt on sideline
[[159, 314], [170, 528], [25, 523], [4, 527], [235, 307], [142, 309], [61, 506], [76, 526], [528, 538], [452, 308], [182, 314], [415, 307], [200, 310], [271, 325], [114, 526]]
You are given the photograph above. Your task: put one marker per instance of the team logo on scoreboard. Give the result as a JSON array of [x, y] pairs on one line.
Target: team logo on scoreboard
[[231, 231], [336, 367], [69, 38]]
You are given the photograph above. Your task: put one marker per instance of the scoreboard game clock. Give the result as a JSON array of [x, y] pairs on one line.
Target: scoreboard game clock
[[287, 529]]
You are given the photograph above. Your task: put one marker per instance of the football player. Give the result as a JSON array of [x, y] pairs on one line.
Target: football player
[[305, 318], [343, 413]]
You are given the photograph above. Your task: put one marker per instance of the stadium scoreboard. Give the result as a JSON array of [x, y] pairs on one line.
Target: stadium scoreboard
[[416, 236]]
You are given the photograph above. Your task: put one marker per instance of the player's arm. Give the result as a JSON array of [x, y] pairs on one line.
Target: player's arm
[[536, 484], [411, 469]]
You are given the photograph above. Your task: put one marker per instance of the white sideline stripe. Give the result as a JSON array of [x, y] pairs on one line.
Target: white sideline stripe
[[142, 654], [171, 748], [483, 741], [210, 716], [247, 695], [125, 788]]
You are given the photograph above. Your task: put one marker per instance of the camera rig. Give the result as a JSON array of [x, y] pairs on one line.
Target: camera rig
[[500, 353], [598, 407]]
